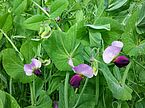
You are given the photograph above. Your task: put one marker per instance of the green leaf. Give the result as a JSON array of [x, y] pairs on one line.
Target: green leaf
[[57, 7], [85, 101], [99, 27], [131, 22], [29, 50], [14, 66], [116, 5], [6, 22], [1, 36], [19, 6], [140, 24], [100, 8], [128, 42], [34, 22], [140, 103], [138, 50], [61, 46], [39, 83], [1, 104], [44, 100], [119, 91], [76, 6], [141, 75], [117, 73], [95, 39], [114, 25], [54, 84], [7, 101], [132, 48], [79, 16], [109, 37], [124, 105]]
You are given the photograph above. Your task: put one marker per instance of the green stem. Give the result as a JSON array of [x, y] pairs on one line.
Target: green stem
[[32, 90], [119, 105], [97, 89], [81, 93], [13, 45], [66, 90], [41, 8], [57, 26], [139, 64], [104, 102], [47, 14], [76, 47], [10, 85], [125, 73], [64, 47]]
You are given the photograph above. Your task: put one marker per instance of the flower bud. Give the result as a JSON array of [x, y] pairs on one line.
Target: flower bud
[[75, 80], [37, 72], [55, 104], [121, 61]]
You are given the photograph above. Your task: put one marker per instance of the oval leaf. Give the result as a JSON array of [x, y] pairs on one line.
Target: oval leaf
[[14, 66]]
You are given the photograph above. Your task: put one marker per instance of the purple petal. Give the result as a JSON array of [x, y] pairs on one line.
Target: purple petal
[[70, 62], [75, 80], [28, 69], [84, 69], [55, 104], [36, 63], [121, 61], [110, 53], [117, 44], [37, 72]]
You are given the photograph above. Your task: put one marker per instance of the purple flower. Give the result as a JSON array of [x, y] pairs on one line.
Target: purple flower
[[55, 104], [70, 62], [75, 80], [121, 61], [82, 69], [112, 51], [33, 67]]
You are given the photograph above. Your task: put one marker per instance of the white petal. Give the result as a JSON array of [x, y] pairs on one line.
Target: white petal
[[117, 44], [110, 53], [84, 69], [28, 69], [70, 62], [36, 63]]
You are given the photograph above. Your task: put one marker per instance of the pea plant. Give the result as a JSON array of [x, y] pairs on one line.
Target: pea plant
[[72, 54]]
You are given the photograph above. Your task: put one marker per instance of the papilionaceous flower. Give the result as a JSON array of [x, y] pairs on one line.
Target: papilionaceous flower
[[33, 67], [111, 53], [80, 70]]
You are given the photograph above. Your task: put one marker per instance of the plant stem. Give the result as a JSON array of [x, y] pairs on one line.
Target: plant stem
[[119, 105], [125, 73], [76, 47], [41, 8], [46, 14], [97, 89], [139, 64], [32, 90], [104, 102], [13, 45], [81, 93], [66, 90], [10, 85]]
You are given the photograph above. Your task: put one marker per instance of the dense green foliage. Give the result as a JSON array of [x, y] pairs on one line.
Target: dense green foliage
[[54, 31]]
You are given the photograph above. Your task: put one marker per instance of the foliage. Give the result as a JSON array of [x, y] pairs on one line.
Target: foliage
[[53, 31]]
